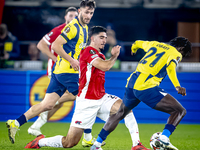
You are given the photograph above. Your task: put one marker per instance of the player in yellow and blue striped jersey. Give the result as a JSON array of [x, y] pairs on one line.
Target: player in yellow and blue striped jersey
[[65, 73], [143, 85]]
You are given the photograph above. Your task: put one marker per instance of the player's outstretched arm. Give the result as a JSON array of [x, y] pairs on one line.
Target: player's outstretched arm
[[44, 48], [105, 65], [57, 47], [171, 71]]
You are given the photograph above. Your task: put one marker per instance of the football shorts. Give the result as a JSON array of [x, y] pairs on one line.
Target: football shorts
[[149, 96], [86, 110], [59, 83]]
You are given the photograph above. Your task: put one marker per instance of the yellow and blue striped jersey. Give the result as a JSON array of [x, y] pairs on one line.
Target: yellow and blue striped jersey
[[152, 68], [76, 37]]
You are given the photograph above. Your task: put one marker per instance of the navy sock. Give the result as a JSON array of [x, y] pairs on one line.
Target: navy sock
[[169, 128], [87, 131], [102, 135], [21, 120], [99, 139]]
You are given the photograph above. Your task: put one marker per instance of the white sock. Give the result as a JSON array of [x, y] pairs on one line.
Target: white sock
[[42, 119], [87, 136], [55, 141], [132, 126]]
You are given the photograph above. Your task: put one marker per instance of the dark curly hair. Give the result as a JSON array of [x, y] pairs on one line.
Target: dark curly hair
[[182, 42]]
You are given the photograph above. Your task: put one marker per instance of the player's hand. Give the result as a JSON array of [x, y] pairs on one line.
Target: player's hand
[[75, 64], [115, 50], [54, 58], [181, 90], [134, 49]]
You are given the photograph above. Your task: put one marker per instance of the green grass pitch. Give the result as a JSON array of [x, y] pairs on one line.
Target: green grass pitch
[[185, 137]]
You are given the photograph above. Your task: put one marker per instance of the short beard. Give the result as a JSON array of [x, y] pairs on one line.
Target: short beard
[[81, 17]]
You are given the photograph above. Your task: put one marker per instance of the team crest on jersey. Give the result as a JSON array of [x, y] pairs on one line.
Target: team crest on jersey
[[67, 30], [178, 59], [51, 33], [92, 52]]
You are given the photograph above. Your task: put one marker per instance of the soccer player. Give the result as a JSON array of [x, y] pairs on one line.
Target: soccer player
[[92, 101], [68, 45], [45, 46], [143, 85], [45, 43]]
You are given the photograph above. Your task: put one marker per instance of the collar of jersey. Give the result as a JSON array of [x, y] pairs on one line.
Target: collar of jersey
[[79, 22]]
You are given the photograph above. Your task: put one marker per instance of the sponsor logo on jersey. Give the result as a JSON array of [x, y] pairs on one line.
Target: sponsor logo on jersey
[[82, 45], [37, 93], [92, 52]]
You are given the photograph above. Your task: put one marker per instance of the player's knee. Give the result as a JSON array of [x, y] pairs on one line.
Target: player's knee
[[183, 112], [49, 107], [120, 114], [68, 143]]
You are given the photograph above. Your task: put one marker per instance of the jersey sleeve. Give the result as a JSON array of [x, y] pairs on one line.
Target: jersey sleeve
[[145, 45], [50, 37], [171, 71], [176, 57], [69, 32], [91, 55]]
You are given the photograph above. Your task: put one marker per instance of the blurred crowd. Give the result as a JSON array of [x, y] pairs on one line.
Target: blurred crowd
[[10, 49]]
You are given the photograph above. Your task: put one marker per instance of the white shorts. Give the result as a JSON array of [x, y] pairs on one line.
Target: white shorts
[[87, 110]]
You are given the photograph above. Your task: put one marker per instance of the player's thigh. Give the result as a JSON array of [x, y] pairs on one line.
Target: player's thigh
[[168, 104], [50, 99], [110, 105], [115, 107], [67, 97], [73, 137]]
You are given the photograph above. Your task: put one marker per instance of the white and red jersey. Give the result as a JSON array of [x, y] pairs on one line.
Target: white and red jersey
[[49, 38], [91, 79]]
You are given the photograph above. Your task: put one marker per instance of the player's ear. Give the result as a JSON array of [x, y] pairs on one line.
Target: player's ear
[[79, 10], [65, 17], [92, 38]]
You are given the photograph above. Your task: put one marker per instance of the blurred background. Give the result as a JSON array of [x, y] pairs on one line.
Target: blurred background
[[130, 20], [126, 21]]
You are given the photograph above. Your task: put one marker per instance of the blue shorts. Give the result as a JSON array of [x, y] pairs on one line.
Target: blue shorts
[[59, 83], [149, 96]]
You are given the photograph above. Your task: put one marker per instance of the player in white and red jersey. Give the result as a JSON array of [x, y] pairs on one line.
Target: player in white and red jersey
[[45, 43], [88, 74], [92, 101]]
